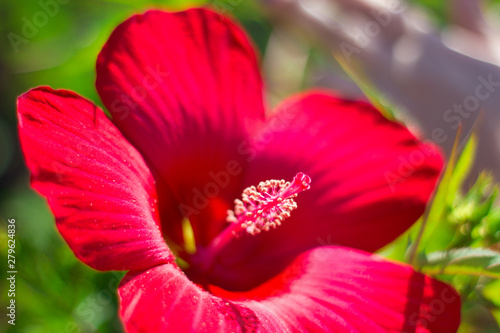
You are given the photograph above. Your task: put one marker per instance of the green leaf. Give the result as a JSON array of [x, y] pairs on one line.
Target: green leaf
[[462, 167], [397, 249], [434, 231], [475, 215], [432, 220], [366, 87], [492, 292], [465, 261]]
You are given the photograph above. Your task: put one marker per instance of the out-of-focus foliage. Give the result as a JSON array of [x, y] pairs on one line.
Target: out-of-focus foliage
[[457, 240], [438, 10]]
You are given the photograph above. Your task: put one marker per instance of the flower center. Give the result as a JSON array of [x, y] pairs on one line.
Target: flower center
[[261, 208], [267, 205]]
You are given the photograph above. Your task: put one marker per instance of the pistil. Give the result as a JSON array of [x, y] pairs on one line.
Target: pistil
[[261, 208]]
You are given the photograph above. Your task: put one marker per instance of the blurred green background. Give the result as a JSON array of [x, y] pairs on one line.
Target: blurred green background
[[54, 291]]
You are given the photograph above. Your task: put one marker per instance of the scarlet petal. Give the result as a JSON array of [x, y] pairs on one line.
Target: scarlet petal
[[370, 181], [162, 299], [184, 88], [328, 289], [97, 185]]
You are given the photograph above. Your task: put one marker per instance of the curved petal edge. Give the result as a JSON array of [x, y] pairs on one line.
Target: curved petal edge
[[96, 184]]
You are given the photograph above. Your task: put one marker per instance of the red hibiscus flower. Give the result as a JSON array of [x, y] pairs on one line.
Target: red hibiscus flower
[[188, 135]]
